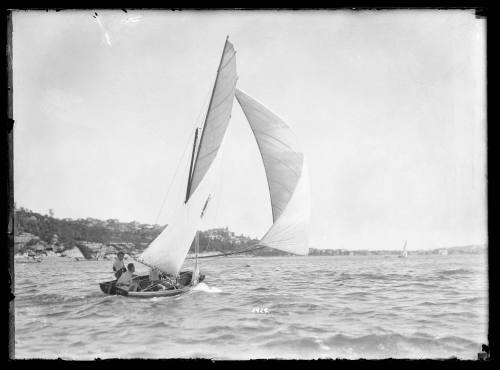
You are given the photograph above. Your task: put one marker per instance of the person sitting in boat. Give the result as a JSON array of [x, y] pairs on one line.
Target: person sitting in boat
[[119, 265], [126, 280], [154, 275]]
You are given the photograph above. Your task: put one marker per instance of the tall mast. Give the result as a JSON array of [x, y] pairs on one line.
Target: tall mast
[[196, 272], [191, 165], [206, 116]]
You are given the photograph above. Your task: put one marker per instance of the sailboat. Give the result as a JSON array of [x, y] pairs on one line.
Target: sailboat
[[404, 253], [286, 175]]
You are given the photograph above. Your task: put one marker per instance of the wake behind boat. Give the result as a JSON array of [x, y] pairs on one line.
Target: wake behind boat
[[285, 168]]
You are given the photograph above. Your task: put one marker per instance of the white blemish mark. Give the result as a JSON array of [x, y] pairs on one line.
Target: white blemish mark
[[260, 309], [103, 29]]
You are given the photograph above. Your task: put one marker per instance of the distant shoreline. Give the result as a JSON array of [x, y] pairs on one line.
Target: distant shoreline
[[94, 239], [18, 257]]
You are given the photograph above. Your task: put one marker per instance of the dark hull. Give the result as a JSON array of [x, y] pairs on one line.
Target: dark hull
[[28, 261], [110, 288]]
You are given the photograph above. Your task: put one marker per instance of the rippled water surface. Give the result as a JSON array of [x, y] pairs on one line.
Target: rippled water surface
[[274, 307]]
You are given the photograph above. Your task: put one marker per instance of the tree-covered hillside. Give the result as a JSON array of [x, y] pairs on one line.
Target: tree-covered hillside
[[68, 233]]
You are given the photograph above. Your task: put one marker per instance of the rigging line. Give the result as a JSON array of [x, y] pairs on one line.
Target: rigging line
[[167, 275], [182, 156], [214, 191], [172, 181], [218, 187], [220, 181], [230, 253]]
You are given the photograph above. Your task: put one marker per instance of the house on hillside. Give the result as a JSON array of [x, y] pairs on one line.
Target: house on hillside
[[25, 241], [122, 246], [58, 248], [54, 239], [74, 253], [134, 225], [40, 249]]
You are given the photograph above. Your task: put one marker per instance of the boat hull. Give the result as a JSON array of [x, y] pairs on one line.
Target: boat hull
[[28, 261], [110, 287]]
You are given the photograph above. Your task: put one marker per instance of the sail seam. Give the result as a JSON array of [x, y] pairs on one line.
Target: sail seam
[[231, 58], [285, 164], [231, 91], [268, 136], [203, 156]]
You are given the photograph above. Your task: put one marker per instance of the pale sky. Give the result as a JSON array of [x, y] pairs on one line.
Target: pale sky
[[389, 107]]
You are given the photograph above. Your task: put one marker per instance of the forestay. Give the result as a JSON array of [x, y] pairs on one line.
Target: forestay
[[286, 174]]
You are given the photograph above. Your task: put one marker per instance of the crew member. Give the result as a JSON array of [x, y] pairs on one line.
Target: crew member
[[154, 275], [126, 280], [119, 265]]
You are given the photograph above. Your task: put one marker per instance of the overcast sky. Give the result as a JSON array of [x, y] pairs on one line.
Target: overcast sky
[[389, 107]]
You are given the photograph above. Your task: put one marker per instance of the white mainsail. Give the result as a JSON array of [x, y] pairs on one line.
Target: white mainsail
[[218, 115], [168, 251], [286, 174]]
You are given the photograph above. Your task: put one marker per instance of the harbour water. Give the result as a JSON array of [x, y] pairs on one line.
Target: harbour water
[[426, 306]]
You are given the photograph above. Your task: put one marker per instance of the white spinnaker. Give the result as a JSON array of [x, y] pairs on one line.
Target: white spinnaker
[[286, 174], [218, 115], [290, 232]]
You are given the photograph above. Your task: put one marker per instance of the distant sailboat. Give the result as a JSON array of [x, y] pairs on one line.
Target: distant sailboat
[[443, 252], [31, 257], [404, 253], [28, 260], [286, 175]]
